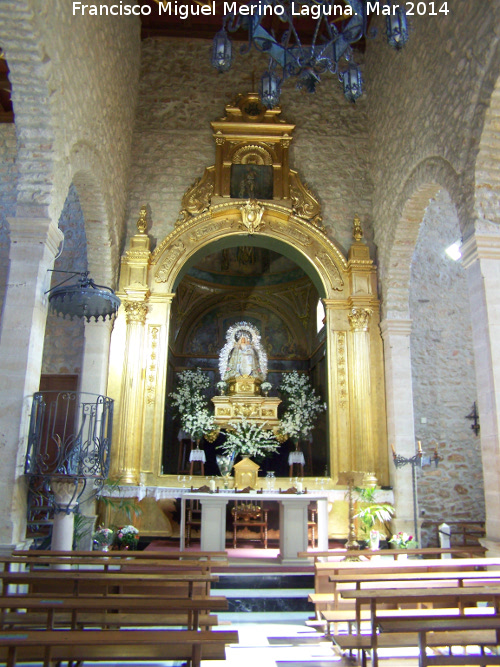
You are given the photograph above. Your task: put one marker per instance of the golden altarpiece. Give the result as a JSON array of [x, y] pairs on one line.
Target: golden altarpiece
[[252, 194]]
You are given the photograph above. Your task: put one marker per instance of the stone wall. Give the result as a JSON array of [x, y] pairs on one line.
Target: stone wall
[[444, 387], [64, 338], [180, 93], [8, 193], [426, 106], [74, 94]]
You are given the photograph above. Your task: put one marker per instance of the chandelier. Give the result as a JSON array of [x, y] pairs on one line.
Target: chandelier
[[84, 299], [273, 28]]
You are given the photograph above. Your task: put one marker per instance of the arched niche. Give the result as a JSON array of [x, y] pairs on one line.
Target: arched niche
[[139, 352]]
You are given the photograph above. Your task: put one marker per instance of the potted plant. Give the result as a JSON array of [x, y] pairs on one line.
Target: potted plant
[[370, 514], [403, 541], [103, 538], [127, 537]]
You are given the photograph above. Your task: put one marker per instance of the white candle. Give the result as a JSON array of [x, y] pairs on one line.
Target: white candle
[[298, 486], [212, 485]]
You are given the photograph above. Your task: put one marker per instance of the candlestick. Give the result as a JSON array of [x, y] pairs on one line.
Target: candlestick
[[419, 447], [393, 450]]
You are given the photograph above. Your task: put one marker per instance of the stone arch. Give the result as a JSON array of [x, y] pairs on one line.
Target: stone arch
[[486, 144], [30, 74], [426, 180], [102, 240]]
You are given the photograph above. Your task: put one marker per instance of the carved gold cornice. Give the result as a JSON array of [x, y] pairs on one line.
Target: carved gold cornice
[[359, 319]]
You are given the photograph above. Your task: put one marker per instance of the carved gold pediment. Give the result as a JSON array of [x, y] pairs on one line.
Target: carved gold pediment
[[197, 198], [304, 203]]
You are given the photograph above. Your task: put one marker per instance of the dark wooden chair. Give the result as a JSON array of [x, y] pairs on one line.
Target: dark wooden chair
[[193, 518], [250, 514], [312, 524]]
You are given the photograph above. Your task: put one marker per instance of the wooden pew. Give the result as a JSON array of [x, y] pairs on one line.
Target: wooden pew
[[322, 572], [117, 611], [108, 645], [459, 598], [368, 554], [386, 579], [480, 630], [74, 582]]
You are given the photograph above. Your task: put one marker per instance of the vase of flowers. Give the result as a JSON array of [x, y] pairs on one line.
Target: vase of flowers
[[128, 537], [266, 387], [403, 541], [103, 538], [302, 406], [191, 404], [249, 439]]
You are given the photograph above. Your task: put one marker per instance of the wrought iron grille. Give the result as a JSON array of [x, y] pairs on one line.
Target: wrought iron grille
[[69, 438]]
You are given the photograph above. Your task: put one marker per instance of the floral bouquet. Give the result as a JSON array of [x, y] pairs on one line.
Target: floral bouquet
[[128, 537], [403, 541], [249, 439], [302, 406], [103, 538], [191, 404]]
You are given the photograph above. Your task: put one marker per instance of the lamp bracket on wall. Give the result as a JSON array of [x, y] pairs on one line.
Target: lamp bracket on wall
[[84, 299], [474, 415]]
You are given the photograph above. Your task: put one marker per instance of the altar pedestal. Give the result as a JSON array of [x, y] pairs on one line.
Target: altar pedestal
[[293, 520]]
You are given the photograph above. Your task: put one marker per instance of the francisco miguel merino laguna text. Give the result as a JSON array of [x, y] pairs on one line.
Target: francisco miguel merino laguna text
[[184, 10]]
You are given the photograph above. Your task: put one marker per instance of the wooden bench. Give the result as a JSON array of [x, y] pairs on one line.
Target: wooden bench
[[455, 597], [107, 645], [323, 572], [209, 556], [368, 554], [69, 582], [117, 611], [437, 630]]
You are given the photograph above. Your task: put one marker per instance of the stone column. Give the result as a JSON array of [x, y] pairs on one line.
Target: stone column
[[400, 422], [481, 258], [65, 500], [359, 320], [132, 392], [94, 377], [33, 245]]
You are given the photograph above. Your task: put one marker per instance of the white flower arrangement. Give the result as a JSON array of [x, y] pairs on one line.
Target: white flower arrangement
[[190, 403], [221, 387], [302, 405], [266, 386], [249, 439], [128, 536]]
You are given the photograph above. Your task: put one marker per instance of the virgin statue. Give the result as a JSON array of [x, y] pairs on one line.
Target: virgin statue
[[242, 355]]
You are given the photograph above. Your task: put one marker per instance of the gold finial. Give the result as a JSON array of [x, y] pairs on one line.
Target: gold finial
[[357, 232], [142, 223]]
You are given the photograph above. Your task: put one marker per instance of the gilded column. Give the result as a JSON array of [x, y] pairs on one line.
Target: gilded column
[[132, 393], [359, 320]]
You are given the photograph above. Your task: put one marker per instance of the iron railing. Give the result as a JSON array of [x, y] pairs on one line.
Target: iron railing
[[69, 439]]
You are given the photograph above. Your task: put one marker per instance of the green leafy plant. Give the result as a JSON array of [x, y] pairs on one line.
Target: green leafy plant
[[110, 497], [372, 512]]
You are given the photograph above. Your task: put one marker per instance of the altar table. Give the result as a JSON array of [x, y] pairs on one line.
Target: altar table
[[292, 520]]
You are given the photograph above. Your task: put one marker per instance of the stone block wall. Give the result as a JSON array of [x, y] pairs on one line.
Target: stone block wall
[[426, 105], [180, 93], [8, 194], [444, 387]]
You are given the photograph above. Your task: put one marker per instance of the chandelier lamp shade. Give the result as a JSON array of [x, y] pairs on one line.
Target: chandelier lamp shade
[[84, 299], [274, 27]]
